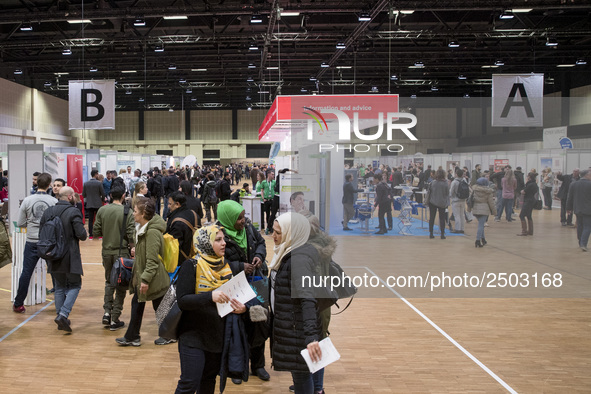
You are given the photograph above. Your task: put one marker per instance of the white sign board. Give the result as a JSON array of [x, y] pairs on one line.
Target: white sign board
[[92, 104], [553, 136], [517, 100]]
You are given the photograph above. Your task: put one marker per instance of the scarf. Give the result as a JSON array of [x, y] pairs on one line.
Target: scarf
[[228, 213], [211, 271], [295, 231]]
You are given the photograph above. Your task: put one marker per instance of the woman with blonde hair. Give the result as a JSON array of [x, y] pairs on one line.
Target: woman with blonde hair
[[140, 191]]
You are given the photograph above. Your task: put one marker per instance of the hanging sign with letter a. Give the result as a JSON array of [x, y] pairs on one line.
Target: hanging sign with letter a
[[92, 104], [517, 100]]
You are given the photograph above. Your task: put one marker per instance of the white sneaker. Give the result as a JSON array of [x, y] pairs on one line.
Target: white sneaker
[[485, 224]]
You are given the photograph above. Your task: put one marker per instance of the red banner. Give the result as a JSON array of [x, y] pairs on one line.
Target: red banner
[[75, 177]]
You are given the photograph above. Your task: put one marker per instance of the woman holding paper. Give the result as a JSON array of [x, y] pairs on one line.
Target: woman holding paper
[[201, 329], [296, 324]]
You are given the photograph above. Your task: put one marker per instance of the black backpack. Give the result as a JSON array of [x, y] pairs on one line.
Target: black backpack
[[463, 191], [52, 243]]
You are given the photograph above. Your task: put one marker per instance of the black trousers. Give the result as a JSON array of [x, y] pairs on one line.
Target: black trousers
[[383, 211], [137, 314], [274, 210], [91, 214], [526, 209], [547, 191], [563, 216], [257, 357], [268, 207], [442, 218], [199, 370]]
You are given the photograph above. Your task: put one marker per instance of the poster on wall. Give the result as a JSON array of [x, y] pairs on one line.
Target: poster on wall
[[517, 100], [418, 161], [500, 164], [92, 104], [545, 162]]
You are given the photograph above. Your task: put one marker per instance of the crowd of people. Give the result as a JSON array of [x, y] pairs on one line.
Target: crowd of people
[[122, 211], [476, 194]]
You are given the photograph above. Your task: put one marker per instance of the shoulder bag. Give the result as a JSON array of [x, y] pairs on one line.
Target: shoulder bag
[[121, 273]]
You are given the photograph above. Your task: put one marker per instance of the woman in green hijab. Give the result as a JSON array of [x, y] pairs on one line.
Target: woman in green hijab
[[245, 251]]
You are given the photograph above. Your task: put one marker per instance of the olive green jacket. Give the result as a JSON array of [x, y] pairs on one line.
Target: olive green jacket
[[5, 250], [147, 267]]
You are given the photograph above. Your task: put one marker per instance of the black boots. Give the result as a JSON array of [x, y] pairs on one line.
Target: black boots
[[477, 244]]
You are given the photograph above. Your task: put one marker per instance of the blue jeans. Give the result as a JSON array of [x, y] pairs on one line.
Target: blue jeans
[[303, 382], [481, 221], [67, 287], [508, 205], [165, 208], [583, 229], [30, 260], [318, 378], [198, 370]]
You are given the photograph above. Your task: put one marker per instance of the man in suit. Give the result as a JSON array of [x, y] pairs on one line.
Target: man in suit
[[94, 196]]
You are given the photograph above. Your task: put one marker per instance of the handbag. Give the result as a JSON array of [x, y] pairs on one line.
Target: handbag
[[260, 285], [345, 289], [538, 204], [168, 314], [121, 272]]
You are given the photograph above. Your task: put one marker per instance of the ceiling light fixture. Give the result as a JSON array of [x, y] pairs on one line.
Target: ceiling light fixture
[[93, 69], [499, 62], [506, 15], [413, 96], [289, 13], [141, 99], [182, 80], [172, 66], [199, 69], [189, 91], [211, 93], [344, 67], [551, 42], [394, 77], [263, 91], [521, 10], [251, 65], [324, 65], [47, 84], [303, 90], [170, 110], [157, 94], [565, 65], [139, 21], [434, 88], [461, 76], [466, 95], [175, 17], [248, 98], [453, 44], [26, 27], [18, 71], [419, 64], [250, 79], [581, 62], [249, 108], [341, 45], [256, 18], [312, 78], [78, 21], [272, 68], [128, 71], [364, 17], [253, 47], [128, 91], [159, 48], [66, 51]]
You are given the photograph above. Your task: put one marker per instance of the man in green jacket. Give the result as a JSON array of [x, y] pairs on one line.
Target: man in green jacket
[[108, 224]]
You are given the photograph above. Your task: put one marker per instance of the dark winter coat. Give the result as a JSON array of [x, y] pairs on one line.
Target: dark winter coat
[[255, 248], [225, 190], [207, 196], [235, 354], [531, 188], [170, 184], [74, 232], [566, 181], [295, 320]]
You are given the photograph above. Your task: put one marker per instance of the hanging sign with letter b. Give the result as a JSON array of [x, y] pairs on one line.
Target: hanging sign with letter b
[[92, 104]]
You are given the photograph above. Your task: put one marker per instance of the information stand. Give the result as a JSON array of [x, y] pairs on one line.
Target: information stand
[[36, 292]]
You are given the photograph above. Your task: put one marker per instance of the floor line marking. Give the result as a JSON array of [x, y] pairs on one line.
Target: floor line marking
[[5, 290], [25, 322], [449, 338]]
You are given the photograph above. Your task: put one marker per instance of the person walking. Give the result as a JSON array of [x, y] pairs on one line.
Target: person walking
[[108, 224], [483, 206], [458, 201], [529, 194], [29, 216], [579, 202], [438, 201], [210, 198], [67, 271], [93, 194], [150, 281], [547, 185]]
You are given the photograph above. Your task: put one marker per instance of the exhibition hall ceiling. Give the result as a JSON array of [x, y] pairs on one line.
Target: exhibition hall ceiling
[[213, 53]]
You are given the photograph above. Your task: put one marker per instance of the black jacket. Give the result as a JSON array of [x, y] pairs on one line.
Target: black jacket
[[497, 178], [255, 248], [348, 193], [74, 232], [155, 186], [170, 184], [520, 180], [201, 326], [295, 320], [531, 188], [194, 204], [397, 178], [225, 190], [383, 193], [566, 181], [181, 231]]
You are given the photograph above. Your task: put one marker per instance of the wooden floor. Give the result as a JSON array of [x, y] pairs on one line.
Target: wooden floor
[[531, 342]]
